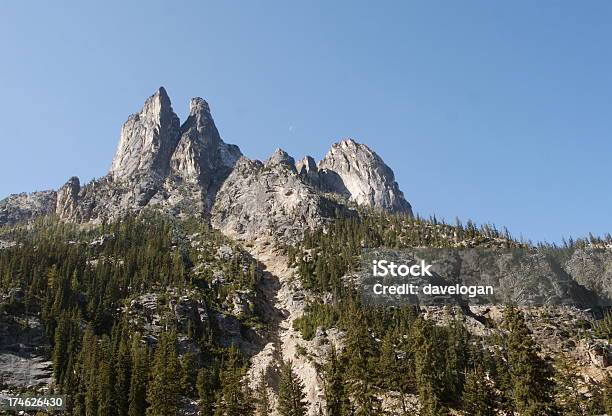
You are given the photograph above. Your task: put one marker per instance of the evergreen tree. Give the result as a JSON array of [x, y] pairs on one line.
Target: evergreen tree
[[335, 395], [456, 359], [164, 387], [428, 355], [138, 379], [478, 397], [234, 399], [361, 351], [291, 396], [570, 396], [205, 390], [261, 396], [189, 367], [123, 370], [431, 404], [60, 347], [106, 379], [531, 376]]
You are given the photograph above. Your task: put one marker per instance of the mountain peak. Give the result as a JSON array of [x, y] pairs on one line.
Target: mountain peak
[[198, 105], [147, 139], [162, 94], [182, 169], [359, 171], [280, 157], [348, 142], [306, 165]]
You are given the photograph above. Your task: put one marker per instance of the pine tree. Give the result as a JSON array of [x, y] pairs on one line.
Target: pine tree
[[189, 367], [361, 351], [387, 363], [87, 399], [431, 404], [571, 398], [205, 392], [60, 347], [478, 397], [428, 355], [235, 397], [531, 376], [335, 394], [456, 359], [138, 379], [106, 379], [261, 396], [291, 396], [123, 370], [164, 388]]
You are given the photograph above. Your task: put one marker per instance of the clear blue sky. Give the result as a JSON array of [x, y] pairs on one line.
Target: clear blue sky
[[496, 111]]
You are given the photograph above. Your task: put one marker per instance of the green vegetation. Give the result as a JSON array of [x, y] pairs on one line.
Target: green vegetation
[[291, 396], [396, 349], [81, 283], [326, 255], [603, 327]]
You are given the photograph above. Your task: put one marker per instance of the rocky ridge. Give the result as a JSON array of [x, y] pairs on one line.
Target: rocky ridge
[[353, 169], [188, 170]]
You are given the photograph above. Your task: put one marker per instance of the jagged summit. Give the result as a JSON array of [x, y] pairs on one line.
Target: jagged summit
[[280, 157], [163, 96], [187, 169], [201, 155], [147, 140], [365, 176], [198, 105], [306, 165]]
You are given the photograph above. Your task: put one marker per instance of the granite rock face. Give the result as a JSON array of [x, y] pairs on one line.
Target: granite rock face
[[281, 158], [188, 170], [147, 140], [68, 198], [592, 268], [269, 199], [306, 166], [354, 169], [201, 158], [24, 207], [24, 362]]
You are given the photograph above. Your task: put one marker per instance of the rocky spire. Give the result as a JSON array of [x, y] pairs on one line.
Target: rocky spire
[[201, 157], [201, 151], [355, 169], [189, 170], [68, 198], [280, 157], [147, 140], [306, 166]]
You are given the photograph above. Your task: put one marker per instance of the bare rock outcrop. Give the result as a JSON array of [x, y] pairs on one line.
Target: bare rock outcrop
[[269, 199], [68, 198], [24, 207], [24, 362], [592, 268], [201, 159], [188, 170], [353, 169], [147, 140]]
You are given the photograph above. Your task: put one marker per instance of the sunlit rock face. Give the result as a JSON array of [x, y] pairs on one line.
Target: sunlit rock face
[[188, 170], [147, 140], [353, 169]]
